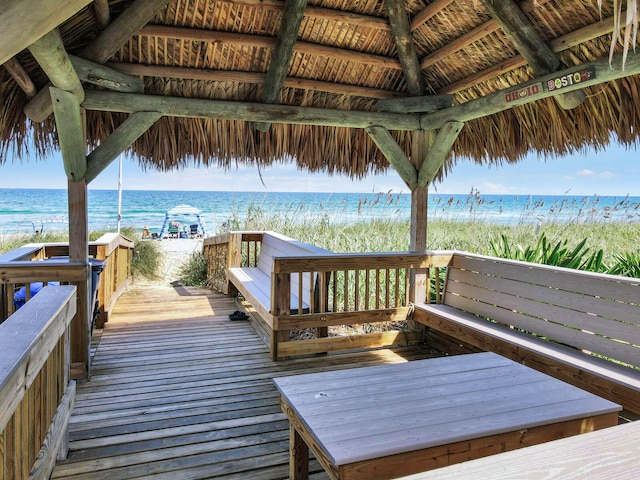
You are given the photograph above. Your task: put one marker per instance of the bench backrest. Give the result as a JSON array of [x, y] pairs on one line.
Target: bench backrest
[[276, 245], [593, 312]]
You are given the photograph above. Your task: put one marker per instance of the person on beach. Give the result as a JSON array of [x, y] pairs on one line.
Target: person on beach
[[145, 232]]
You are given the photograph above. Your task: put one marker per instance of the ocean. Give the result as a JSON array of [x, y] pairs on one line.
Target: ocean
[[26, 210]]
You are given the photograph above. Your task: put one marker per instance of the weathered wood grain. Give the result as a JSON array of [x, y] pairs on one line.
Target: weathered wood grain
[[187, 397]]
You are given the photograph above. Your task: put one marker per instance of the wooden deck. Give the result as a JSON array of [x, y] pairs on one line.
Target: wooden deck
[[180, 391]]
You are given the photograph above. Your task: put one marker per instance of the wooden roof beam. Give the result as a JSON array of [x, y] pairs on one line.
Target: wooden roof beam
[[22, 22], [320, 13], [429, 11], [399, 20], [101, 9], [261, 41], [591, 73], [138, 14], [515, 24], [21, 77], [116, 143], [210, 75], [281, 58], [424, 104], [394, 154], [565, 42], [473, 36], [245, 111]]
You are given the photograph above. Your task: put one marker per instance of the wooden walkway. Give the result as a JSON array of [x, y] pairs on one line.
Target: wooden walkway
[[180, 391]]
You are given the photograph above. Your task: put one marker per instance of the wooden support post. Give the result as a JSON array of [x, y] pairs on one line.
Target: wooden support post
[[69, 123], [79, 252], [420, 144], [118, 141], [298, 456], [279, 66]]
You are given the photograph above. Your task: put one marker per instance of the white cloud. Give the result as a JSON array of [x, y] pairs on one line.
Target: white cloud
[[586, 173], [608, 174]]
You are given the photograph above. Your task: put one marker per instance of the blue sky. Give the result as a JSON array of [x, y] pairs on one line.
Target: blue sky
[[614, 171]]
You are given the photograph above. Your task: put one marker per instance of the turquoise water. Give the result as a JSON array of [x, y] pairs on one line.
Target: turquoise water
[[26, 210]]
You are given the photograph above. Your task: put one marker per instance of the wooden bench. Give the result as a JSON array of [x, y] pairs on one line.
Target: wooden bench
[[256, 283], [607, 453], [560, 321]]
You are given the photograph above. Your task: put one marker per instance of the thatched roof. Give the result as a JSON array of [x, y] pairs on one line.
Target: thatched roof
[[345, 58]]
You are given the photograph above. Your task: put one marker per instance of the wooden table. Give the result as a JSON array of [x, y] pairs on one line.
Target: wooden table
[[392, 420]]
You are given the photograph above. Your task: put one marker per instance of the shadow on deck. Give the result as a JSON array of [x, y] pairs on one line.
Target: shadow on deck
[[180, 391]]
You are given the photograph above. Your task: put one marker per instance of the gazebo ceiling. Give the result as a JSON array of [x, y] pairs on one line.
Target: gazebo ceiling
[[344, 56]]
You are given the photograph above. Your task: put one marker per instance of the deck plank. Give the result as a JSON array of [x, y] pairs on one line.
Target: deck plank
[[179, 391]]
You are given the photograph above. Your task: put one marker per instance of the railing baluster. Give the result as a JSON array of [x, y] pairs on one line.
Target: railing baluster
[[356, 286], [300, 290], [438, 288], [346, 291], [377, 288], [367, 281], [397, 288], [387, 288]]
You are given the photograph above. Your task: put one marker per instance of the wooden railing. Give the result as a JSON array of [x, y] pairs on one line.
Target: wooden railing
[[351, 289], [233, 249], [23, 266], [361, 290], [36, 393]]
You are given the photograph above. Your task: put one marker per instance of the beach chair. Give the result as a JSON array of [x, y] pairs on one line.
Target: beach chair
[[174, 230], [193, 230]]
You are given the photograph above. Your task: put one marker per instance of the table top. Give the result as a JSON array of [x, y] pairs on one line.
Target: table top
[[363, 413]]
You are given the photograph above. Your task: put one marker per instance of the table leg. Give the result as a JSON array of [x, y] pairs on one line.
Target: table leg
[[298, 456]]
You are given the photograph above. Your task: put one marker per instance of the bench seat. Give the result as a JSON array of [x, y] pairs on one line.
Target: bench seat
[[256, 287], [516, 339], [581, 327]]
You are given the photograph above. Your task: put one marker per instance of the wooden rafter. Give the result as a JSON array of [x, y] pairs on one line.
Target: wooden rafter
[[210, 75], [103, 47], [399, 21], [473, 36], [282, 53], [103, 76], [240, 39], [103, 15], [429, 11], [506, 99], [320, 13], [21, 77], [565, 42], [246, 111], [515, 24], [427, 103], [22, 22]]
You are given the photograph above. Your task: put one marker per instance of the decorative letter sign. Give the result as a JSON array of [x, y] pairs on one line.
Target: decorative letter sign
[[571, 79]]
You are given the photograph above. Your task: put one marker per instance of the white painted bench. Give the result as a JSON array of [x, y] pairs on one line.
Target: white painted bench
[[255, 283], [559, 321]]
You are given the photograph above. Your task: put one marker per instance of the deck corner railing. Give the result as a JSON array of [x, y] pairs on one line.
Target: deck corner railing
[[36, 392], [232, 249]]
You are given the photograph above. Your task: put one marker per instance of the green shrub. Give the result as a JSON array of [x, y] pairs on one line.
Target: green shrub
[[194, 270], [146, 259], [626, 265], [547, 253]]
